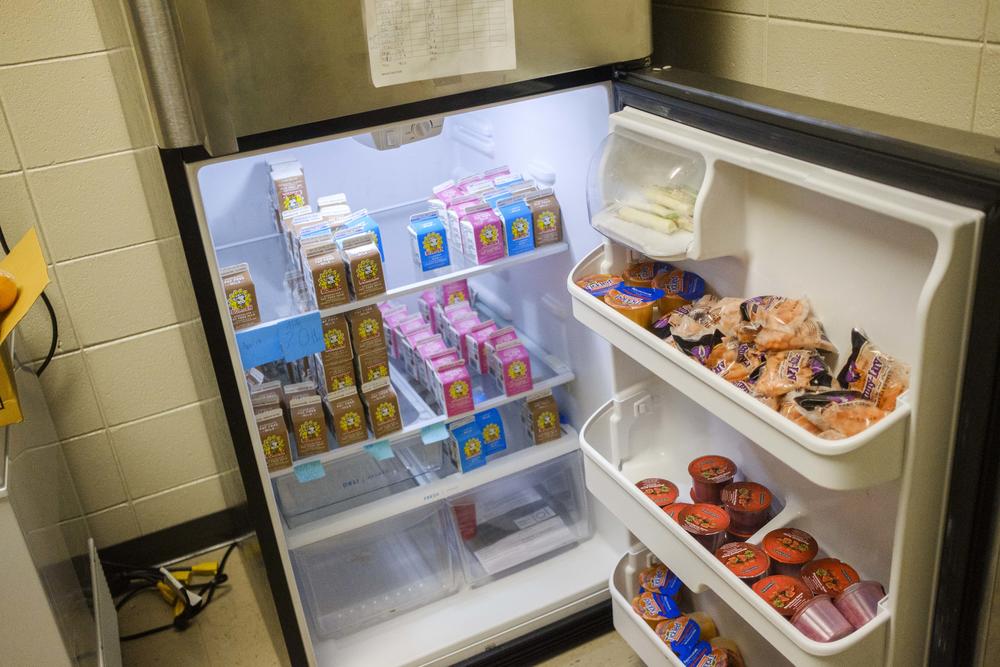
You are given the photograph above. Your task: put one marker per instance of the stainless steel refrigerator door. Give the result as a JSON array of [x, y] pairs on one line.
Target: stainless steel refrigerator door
[[225, 69]]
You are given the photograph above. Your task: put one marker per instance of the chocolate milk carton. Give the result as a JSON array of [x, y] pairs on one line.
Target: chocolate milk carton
[[241, 296]]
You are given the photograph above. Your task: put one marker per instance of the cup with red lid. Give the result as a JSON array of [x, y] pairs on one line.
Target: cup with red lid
[[746, 561], [783, 593], [709, 475], [706, 523], [748, 504], [789, 549]]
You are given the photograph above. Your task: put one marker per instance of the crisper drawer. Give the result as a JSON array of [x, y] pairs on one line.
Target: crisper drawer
[[521, 518], [365, 576], [360, 478]]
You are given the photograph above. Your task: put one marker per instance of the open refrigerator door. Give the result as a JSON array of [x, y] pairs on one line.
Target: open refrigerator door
[[760, 444]]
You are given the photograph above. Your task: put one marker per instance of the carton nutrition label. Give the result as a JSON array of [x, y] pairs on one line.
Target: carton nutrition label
[[414, 40]]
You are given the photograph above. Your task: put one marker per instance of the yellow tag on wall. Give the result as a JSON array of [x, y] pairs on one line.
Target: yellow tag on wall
[[27, 264]]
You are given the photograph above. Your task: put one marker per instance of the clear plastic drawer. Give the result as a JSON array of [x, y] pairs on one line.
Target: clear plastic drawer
[[360, 578], [521, 518], [359, 479]]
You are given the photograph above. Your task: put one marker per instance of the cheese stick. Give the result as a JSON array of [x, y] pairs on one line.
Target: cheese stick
[[649, 207], [647, 220], [661, 196]]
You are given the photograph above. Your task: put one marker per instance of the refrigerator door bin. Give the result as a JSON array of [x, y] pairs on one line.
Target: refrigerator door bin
[[871, 457], [367, 575], [623, 444], [510, 522], [654, 652], [644, 193]]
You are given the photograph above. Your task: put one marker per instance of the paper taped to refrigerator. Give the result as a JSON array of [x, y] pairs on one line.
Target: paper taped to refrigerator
[[415, 40]]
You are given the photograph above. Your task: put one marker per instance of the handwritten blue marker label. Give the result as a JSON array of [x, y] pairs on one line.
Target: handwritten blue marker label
[[380, 451], [301, 336], [309, 471], [259, 345], [434, 433]]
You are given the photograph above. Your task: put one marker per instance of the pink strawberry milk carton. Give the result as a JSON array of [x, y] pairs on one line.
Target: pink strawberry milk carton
[[515, 368], [402, 329], [494, 340], [483, 238], [475, 346], [453, 217], [426, 305], [410, 342], [435, 362], [461, 327], [449, 316], [389, 324], [453, 388], [425, 349], [454, 292]]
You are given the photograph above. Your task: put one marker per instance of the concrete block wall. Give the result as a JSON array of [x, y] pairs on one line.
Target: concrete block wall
[[131, 389], [936, 60]]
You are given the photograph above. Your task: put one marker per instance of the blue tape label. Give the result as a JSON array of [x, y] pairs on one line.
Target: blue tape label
[[259, 345], [301, 336], [380, 451], [309, 471], [434, 433]]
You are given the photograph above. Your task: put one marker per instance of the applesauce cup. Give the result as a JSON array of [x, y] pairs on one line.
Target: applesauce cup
[[748, 504], [709, 475], [789, 549], [705, 523]]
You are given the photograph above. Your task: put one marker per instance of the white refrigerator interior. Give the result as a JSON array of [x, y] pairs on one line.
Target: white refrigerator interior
[[382, 572]]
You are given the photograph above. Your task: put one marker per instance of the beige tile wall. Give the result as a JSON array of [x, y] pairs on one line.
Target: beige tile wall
[[936, 60], [134, 399]]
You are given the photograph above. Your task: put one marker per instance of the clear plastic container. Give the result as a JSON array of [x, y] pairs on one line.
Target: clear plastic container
[[642, 191], [360, 578], [859, 602], [522, 518], [359, 479], [820, 620]]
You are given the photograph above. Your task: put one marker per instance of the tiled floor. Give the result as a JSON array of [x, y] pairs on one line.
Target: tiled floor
[[231, 632]]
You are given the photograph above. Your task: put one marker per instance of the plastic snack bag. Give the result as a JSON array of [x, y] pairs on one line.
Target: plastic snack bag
[[790, 370], [706, 349], [879, 377], [737, 360], [789, 409], [846, 412], [749, 385], [808, 334]]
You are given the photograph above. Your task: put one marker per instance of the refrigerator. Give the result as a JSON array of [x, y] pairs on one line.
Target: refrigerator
[[387, 551]]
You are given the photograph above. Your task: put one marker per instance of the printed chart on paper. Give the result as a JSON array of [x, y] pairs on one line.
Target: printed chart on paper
[[414, 40]]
